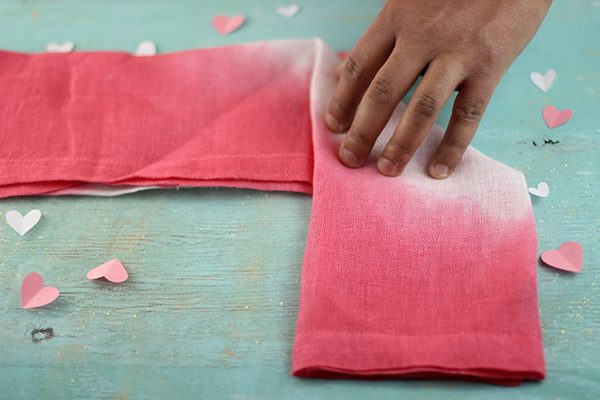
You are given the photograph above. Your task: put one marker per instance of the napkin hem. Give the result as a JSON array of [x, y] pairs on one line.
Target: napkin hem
[[506, 359]]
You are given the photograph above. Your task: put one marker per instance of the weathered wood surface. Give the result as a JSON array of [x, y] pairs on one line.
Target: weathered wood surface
[[209, 310]]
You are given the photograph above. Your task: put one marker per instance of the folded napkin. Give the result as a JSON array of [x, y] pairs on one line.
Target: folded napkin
[[402, 277]]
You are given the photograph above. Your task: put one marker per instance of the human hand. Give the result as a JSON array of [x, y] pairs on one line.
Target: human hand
[[462, 45]]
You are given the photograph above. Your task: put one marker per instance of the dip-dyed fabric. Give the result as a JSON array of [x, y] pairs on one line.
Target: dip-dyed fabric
[[402, 277]]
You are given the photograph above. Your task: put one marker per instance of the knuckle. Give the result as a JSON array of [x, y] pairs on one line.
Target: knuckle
[[458, 146], [470, 113], [398, 57], [353, 70], [338, 107], [491, 56], [427, 105], [448, 72], [382, 92], [399, 150], [358, 139]]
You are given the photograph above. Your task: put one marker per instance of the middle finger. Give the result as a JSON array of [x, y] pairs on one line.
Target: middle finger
[[388, 87]]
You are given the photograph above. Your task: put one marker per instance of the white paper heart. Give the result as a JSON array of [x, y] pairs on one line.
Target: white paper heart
[[23, 224], [543, 82], [146, 48], [542, 190], [65, 47], [289, 10]]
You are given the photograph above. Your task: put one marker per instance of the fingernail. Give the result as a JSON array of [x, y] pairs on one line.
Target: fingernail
[[439, 171], [388, 167], [332, 123], [349, 158]]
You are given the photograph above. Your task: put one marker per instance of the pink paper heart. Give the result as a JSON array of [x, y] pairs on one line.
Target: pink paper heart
[[568, 257], [225, 25], [112, 270], [555, 117], [34, 293]]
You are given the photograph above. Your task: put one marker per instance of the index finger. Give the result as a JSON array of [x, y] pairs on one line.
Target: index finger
[[358, 70]]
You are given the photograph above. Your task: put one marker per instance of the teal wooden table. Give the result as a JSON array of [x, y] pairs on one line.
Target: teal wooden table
[[209, 310]]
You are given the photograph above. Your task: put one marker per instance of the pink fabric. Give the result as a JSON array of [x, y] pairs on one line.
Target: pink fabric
[[404, 277], [166, 120]]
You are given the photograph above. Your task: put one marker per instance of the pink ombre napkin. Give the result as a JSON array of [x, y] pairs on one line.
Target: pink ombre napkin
[[402, 277]]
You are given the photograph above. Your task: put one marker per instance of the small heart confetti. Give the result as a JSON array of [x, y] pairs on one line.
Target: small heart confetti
[[21, 224], [65, 47], [225, 25], [543, 82], [555, 117], [112, 270], [146, 48], [542, 190], [35, 294], [289, 10], [568, 257]]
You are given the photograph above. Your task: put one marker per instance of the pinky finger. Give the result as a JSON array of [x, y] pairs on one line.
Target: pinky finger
[[468, 109]]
